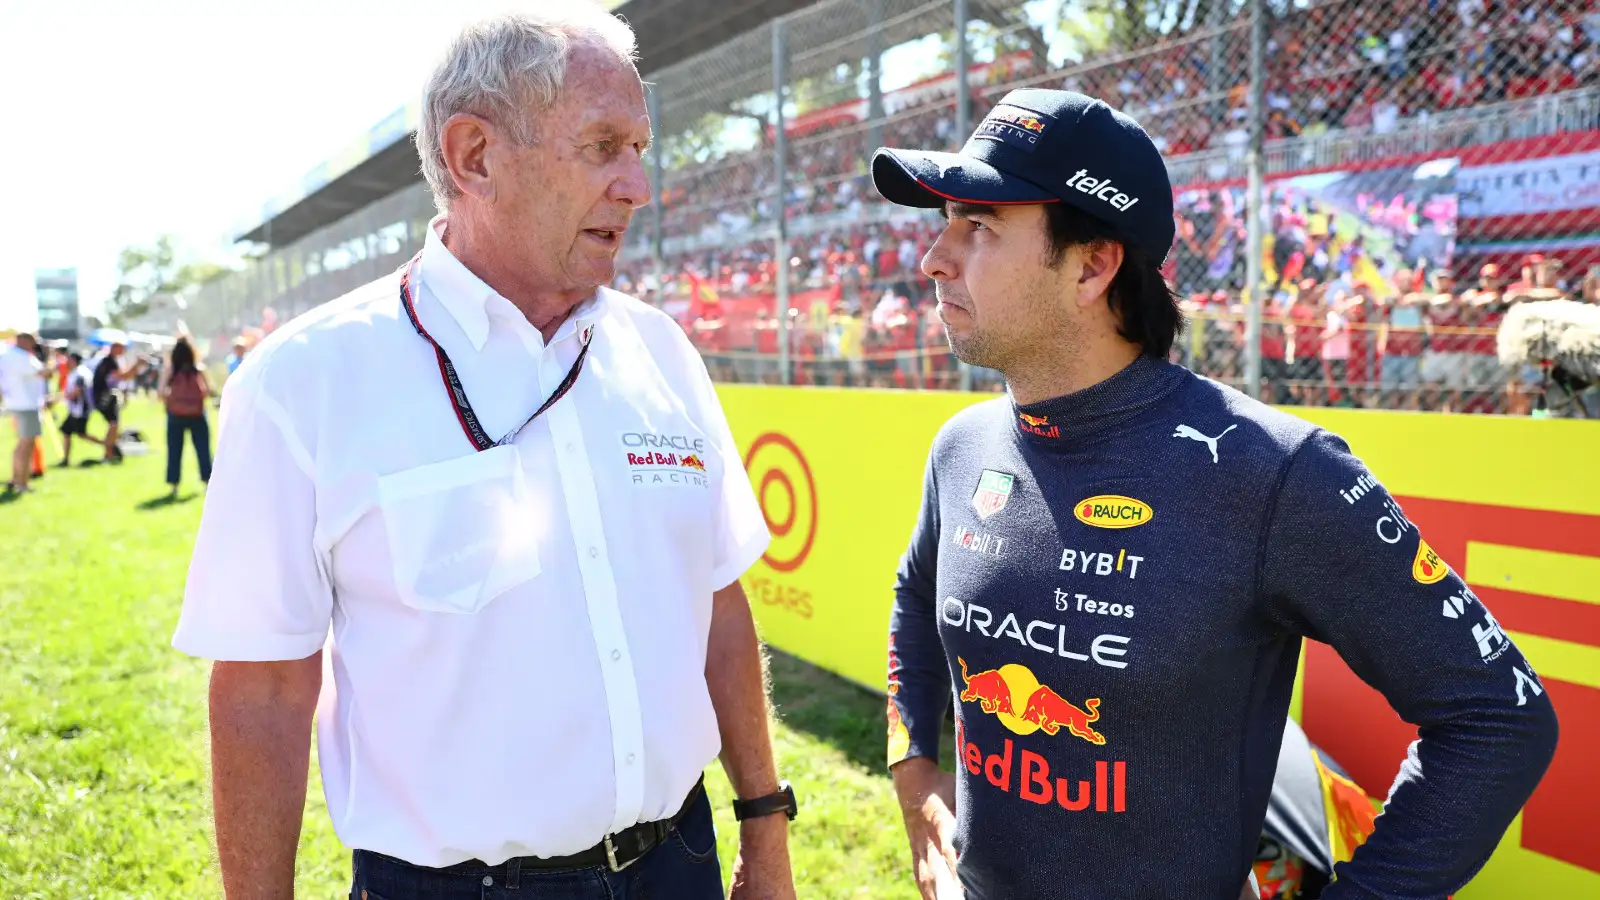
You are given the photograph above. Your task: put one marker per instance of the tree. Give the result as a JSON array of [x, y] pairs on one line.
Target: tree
[[148, 270], [1014, 25]]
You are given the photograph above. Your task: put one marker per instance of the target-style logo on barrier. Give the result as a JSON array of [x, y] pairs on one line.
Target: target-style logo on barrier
[[788, 496]]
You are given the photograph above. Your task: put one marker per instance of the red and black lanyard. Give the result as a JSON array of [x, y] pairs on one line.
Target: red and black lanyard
[[458, 395]]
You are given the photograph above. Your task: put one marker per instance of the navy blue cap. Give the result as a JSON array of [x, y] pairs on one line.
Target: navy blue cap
[[1043, 146]]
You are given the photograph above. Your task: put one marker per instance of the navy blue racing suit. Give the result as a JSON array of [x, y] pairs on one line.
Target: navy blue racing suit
[[1112, 587]]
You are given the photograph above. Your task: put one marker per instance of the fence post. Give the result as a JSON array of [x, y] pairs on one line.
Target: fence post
[[963, 121], [780, 150], [656, 152], [1253, 203], [875, 112]]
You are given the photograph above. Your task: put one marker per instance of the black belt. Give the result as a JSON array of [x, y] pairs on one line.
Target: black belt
[[615, 852]]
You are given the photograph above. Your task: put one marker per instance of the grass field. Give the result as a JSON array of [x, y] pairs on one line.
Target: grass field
[[104, 784]]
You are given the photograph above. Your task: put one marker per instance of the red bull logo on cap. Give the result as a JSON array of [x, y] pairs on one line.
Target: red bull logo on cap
[[997, 692], [693, 461], [1014, 126]]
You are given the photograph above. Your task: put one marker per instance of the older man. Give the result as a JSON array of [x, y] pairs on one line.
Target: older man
[[514, 496]]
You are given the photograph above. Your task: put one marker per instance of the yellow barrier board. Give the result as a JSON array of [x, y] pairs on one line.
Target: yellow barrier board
[[1513, 504]]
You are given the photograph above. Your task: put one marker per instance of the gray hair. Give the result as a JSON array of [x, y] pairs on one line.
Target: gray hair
[[498, 67]]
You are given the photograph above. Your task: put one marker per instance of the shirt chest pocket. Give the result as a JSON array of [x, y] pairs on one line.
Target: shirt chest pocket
[[458, 531]]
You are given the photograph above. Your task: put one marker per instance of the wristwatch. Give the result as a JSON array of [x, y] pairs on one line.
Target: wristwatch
[[782, 801]]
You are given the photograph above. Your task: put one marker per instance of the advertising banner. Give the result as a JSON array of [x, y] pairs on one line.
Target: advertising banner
[[1530, 186], [1348, 225]]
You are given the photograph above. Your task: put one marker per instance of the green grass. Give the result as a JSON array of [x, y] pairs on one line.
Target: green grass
[[104, 776]]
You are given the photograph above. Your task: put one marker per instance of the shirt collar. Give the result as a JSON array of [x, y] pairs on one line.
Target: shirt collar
[[469, 299], [1068, 422]]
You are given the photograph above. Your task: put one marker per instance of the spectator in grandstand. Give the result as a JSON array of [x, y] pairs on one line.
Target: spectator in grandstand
[[1590, 292], [1488, 289], [852, 347], [1485, 309], [184, 389], [1337, 382], [940, 366], [1400, 343], [1305, 342], [739, 343], [1540, 280], [1059, 212], [765, 345], [1275, 349], [540, 639], [79, 401], [1444, 363], [24, 385]]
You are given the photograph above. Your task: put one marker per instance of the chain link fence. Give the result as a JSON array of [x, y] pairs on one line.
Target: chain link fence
[[1422, 168]]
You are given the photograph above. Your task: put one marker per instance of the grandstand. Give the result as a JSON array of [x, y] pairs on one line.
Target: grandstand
[[1399, 141]]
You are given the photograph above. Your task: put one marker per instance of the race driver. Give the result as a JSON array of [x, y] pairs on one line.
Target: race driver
[[1114, 565]]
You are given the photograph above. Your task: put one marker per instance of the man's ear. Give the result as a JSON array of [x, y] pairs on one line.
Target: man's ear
[[1101, 262], [464, 142]]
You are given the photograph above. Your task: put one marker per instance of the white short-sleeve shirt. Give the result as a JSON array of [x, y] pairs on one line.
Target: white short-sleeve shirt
[[518, 636], [21, 388]]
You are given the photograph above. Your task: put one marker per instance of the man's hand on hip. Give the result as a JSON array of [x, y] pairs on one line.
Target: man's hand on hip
[[761, 871], [927, 803]]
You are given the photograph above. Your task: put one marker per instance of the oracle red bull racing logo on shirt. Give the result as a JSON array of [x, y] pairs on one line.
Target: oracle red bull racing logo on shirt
[[1014, 695], [660, 459]]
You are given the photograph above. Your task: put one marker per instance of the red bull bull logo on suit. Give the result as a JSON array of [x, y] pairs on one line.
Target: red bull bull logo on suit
[[1014, 695]]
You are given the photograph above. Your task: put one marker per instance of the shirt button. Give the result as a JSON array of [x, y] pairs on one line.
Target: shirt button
[[630, 759], [616, 655], [488, 881], [571, 447], [594, 552]]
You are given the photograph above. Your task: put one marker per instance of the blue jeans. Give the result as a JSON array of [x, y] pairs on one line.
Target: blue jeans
[[684, 867], [200, 433]]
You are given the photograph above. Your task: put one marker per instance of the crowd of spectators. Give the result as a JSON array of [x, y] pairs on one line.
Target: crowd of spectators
[[1334, 333], [1348, 65], [1415, 341]]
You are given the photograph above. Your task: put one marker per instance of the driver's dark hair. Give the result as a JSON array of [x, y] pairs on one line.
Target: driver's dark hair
[[1146, 308]]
